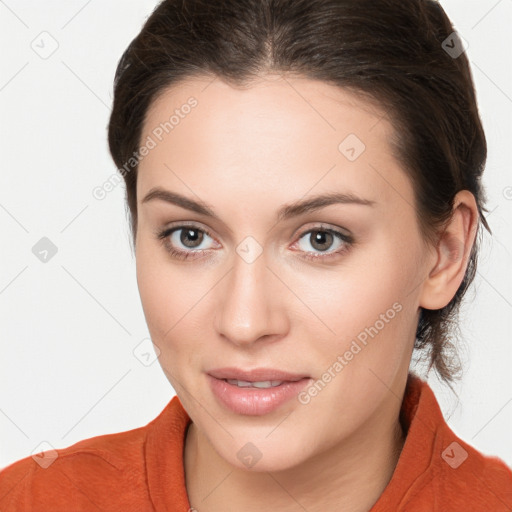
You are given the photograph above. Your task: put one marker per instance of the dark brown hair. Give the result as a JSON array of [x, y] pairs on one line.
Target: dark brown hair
[[393, 52]]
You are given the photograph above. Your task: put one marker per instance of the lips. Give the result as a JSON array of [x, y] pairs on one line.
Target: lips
[[256, 374], [254, 392]]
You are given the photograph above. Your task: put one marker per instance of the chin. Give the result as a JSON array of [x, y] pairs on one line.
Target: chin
[[262, 454]]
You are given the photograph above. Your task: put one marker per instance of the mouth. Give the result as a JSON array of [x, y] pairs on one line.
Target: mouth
[[263, 384], [257, 377], [255, 392]]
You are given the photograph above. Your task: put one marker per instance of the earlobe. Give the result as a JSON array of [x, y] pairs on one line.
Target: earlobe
[[451, 254]]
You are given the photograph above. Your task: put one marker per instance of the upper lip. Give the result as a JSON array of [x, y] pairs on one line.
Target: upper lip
[[255, 375]]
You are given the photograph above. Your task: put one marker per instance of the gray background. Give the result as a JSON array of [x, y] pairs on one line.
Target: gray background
[[72, 331]]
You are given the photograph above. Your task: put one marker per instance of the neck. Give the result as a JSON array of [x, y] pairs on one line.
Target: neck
[[350, 476]]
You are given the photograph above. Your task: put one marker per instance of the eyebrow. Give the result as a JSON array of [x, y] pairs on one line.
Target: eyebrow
[[285, 212]]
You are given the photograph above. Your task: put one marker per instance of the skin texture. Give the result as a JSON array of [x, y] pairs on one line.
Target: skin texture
[[246, 153]]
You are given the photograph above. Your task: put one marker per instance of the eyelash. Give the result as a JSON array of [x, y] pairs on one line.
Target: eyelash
[[162, 236]]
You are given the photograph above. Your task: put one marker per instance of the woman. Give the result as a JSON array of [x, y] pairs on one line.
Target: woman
[[303, 179]]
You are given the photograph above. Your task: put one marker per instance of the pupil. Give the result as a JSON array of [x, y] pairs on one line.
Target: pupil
[[320, 238], [188, 234]]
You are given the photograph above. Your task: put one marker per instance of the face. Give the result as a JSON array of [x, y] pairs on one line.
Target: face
[[329, 293]]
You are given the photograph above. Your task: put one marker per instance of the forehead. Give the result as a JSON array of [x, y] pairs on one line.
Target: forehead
[[280, 136]]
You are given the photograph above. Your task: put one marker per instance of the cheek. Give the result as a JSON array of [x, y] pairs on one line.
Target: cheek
[[369, 306], [162, 294], [372, 312], [171, 302], [370, 282], [152, 287]]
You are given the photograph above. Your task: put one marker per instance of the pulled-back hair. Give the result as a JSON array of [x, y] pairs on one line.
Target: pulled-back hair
[[402, 54]]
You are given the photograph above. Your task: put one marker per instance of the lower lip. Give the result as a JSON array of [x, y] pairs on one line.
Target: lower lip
[[254, 401]]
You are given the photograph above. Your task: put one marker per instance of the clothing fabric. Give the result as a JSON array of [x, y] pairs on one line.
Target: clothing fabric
[[142, 469]]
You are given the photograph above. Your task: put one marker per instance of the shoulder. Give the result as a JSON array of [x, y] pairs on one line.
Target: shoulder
[[464, 478], [84, 474], [438, 469], [465, 472], [114, 472]]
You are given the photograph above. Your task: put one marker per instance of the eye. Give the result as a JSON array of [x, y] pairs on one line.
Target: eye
[[322, 239], [190, 237]]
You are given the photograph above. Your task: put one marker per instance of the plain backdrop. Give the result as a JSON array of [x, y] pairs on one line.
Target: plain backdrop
[[71, 327]]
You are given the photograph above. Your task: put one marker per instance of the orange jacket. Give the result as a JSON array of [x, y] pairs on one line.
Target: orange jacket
[[142, 469]]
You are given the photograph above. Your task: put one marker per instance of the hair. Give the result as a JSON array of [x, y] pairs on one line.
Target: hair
[[389, 52]]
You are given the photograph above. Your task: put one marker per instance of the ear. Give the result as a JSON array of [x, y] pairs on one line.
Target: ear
[[450, 258]]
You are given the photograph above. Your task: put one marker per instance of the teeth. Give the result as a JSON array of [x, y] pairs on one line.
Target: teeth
[[261, 384]]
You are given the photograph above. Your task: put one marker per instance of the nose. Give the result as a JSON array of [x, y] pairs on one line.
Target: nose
[[251, 304]]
